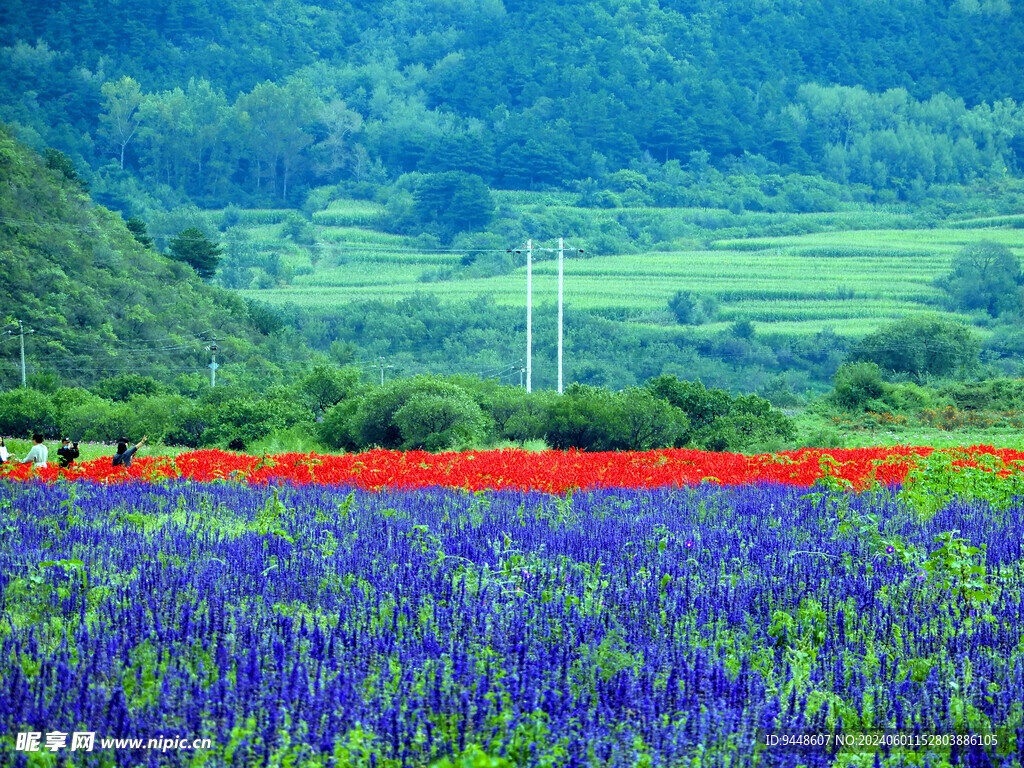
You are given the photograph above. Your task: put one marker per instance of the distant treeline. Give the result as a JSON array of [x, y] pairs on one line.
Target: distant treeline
[[333, 408]]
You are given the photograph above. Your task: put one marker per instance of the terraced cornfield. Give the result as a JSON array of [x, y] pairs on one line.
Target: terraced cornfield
[[848, 277]]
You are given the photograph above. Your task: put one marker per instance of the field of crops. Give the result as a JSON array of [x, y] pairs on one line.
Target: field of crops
[[674, 608], [841, 273]]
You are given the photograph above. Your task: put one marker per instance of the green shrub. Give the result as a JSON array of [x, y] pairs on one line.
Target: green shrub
[[582, 418], [436, 422], [336, 428], [126, 386], [854, 385], [24, 412], [100, 420], [373, 423]]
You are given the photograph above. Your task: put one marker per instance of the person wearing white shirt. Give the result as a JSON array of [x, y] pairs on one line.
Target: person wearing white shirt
[[4, 453], [38, 454]]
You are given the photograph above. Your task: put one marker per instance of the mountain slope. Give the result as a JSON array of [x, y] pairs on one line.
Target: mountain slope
[[98, 302]]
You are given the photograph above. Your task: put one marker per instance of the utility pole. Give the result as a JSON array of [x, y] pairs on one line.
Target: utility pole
[[529, 315], [382, 367], [212, 348], [21, 333], [561, 254]]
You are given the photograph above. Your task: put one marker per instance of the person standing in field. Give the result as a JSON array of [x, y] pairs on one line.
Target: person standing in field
[[4, 453], [123, 457], [67, 453], [38, 454]]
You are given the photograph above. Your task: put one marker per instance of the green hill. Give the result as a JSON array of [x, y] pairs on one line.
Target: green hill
[[98, 302]]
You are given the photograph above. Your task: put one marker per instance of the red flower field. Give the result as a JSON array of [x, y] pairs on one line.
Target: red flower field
[[549, 471]]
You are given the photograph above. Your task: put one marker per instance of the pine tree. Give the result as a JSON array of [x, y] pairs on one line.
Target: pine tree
[[194, 248]]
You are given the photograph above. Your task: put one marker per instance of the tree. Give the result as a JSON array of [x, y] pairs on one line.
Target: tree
[[583, 417], [335, 151], [689, 309], [375, 423], [137, 227], [62, 164], [125, 386], [203, 122], [857, 384], [120, 119], [194, 248], [647, 422], [985, 276], [24, 411], [701, 405], [452, 202], [436, 422], [326, 386], [921, 346], [274, 124]]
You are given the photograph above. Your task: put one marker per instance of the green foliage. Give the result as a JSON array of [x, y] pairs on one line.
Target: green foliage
[[720, 422], [989, 395], [987, 276], [435, 422], [297, 228], [24, 412], [98, 420], [137, 227], [264, 318], [451, 202], [473, 757], [235, 418], [688, 309], [582, 418], [102, 303], [375, 420], [325, 386], [62, 164], [194, 248], [922, 346], [959, 569], [594, 419], [126, 386], [856, 385], [336, 428], [937, 479]]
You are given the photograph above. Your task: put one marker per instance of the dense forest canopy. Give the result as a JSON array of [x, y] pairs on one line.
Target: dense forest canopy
[[248, 103]]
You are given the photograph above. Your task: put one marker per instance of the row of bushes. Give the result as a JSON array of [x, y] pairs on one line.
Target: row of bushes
[[334, 409], [862, 387], [432, 413]]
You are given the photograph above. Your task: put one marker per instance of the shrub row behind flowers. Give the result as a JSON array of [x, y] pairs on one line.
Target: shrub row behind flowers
[[549, 471]]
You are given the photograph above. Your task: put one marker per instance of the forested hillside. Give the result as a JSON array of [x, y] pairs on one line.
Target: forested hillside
[[396, 146], [227, 101], [97, 302]]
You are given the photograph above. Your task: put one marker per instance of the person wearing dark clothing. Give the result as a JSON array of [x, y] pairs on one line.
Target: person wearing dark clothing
[[123, 457], [67, 453]]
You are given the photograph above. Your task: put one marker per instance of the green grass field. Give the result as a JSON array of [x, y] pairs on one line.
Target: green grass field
[[840, 273]]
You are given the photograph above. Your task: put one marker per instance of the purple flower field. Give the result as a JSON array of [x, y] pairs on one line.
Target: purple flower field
[[319, 626]]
